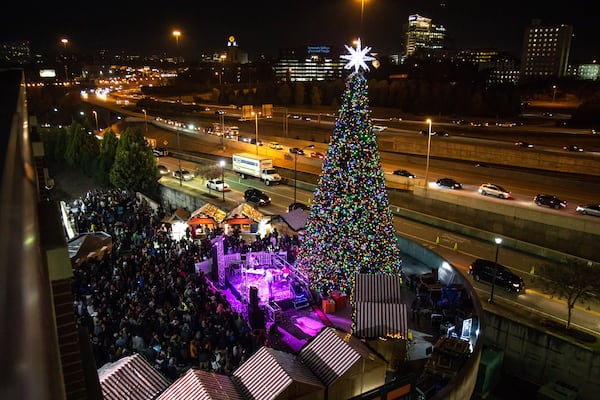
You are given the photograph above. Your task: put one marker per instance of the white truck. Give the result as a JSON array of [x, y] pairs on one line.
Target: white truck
[[247, 164]]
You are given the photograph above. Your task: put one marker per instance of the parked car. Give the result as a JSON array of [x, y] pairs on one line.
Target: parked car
[[317, 154], [449, 183], [484, 270], [491, 189], [162, 170], [403, 172], [549, 200], [257, 197], [573, 148], [590, 209], [160, 152], [183, 174], [297, 150], [217, 184], [524, 144], [275, 146]]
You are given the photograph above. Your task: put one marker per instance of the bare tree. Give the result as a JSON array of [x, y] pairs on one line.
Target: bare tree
[[575, 282]]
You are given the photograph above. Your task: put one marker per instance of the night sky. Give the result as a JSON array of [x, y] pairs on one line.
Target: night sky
[[262, 27]]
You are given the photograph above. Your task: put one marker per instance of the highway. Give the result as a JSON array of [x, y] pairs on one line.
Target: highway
[[459, 250]]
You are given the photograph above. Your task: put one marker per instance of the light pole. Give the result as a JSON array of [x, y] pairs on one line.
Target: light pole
[[553, 92], [177, 34], [312, 146], [222, 116], [65, 41], [222, 164], [428, 150], [285, 122], [96, 118], [145, 120], [498, 242], [256, 129]]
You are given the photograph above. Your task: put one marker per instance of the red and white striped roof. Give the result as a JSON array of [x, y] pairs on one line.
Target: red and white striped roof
[[131, 378], [333, 352], [197, 384], [269, 372], [377, 288], [378, 310], [380, 320]]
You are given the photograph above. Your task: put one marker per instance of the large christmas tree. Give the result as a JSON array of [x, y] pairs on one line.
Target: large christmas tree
[[349, 227]]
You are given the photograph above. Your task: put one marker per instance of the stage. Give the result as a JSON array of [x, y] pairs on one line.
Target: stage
[[275, 287]]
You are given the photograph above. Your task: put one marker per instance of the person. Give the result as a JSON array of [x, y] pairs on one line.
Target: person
[[269, 280]]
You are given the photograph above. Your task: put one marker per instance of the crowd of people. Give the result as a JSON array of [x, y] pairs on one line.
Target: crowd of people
[[146, 296]]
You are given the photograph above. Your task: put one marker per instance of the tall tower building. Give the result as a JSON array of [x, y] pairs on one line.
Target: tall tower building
[[422, 34], [545, 51]]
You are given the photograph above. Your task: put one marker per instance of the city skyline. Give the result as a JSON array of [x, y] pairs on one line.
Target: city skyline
[[205, 28]]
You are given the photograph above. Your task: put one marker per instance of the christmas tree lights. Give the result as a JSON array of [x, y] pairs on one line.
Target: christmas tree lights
[[349, 227]]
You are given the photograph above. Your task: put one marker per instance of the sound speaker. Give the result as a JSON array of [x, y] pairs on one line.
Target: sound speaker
[[253, 297], [256, 318]]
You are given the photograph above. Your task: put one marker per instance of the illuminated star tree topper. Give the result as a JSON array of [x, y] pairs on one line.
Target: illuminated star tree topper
[[357, 57]]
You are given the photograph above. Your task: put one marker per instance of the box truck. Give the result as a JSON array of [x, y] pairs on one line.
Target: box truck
[[246, 164]]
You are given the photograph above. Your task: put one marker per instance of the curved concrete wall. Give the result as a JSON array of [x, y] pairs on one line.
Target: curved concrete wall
[[463, 385]]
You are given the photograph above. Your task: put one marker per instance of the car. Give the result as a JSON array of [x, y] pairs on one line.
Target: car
[[275, 146], [403, 172], [590, 209], [449, 183], [424, 133], [162, 170], [297, 150], [297, 205], [379, 128], [549, 200], [524, 144], [491, 189], [160, 151], [257, 196], [218, 185], [493, 272], [317, 154], [183, 174], [573, 148]]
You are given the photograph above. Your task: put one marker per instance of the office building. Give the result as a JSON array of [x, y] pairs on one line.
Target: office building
[[422, 34], [310, 63], [545, 51]]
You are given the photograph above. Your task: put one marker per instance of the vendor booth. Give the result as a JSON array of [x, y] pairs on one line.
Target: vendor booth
[[208, 216], [177, 223], [247, 219]]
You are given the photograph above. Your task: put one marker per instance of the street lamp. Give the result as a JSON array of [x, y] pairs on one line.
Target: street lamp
[[222, 116], [498, 242], [428, 150], [145, 120], [96, 118], [553, 92], [222, 164], [65, 41], [312, 146], [256, 129]]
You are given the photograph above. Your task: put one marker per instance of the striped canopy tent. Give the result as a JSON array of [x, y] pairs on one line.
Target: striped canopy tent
[[378, 311], [197, 384], [345, 364], [208, 214], [131, 378], [271, 374]]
